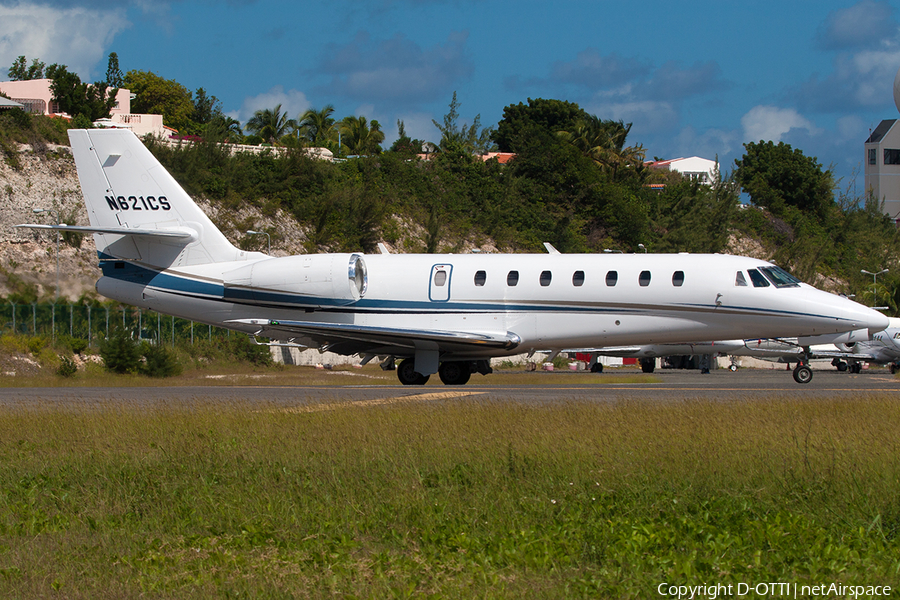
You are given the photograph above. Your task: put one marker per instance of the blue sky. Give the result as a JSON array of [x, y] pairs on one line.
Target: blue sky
[[694, 77]]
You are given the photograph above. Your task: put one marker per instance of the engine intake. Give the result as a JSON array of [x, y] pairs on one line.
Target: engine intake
[[314, 280]]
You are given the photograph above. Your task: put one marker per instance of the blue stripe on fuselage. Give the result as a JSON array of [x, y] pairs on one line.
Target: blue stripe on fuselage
[[129, 272]]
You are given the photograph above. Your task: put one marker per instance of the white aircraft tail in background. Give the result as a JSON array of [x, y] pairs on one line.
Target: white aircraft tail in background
[[445, 314]]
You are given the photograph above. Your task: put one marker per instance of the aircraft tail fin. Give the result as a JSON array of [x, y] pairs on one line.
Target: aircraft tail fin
[[136, 208]]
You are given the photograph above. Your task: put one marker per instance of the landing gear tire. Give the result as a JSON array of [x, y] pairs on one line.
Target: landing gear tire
[[856, 368], [647, 365], [597, 368], [406, 373], [893, 369], [803, 374], [732, 368], [454, 373]]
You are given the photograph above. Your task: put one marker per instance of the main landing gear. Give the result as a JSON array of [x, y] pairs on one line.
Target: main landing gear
[[802, 373], [456, 372]]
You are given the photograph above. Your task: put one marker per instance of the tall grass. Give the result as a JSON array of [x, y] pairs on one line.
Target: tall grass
[[453, 499]]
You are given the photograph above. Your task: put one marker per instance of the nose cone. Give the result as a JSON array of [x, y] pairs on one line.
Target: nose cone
[[866, 318]]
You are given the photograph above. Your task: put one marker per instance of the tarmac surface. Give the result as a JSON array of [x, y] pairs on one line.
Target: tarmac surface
[[668, 385]]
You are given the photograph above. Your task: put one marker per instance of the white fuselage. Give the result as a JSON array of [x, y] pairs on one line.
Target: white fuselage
[[549, 301]]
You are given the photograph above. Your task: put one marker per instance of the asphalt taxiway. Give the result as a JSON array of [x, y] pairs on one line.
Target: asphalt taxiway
[[535, 388]]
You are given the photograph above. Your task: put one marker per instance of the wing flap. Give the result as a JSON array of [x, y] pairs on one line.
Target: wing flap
[[348, 338]]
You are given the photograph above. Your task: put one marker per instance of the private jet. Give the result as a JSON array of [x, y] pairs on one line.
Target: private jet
[[436, 313]]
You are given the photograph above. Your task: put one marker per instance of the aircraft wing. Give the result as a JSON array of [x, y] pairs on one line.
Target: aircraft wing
[[347, 338], [869, 357], [163, 233], [619, 351]]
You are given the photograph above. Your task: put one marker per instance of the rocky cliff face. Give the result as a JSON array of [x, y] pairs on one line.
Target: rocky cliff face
[[28, 257], [48, 179]]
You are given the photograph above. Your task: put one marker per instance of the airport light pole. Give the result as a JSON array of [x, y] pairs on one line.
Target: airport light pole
[[874, 281], [56, 214], [268, 239]]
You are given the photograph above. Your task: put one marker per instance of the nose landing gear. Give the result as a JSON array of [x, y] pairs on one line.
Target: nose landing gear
[[802, 373]]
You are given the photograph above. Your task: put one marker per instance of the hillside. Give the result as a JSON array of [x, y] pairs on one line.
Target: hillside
[[46, 177]]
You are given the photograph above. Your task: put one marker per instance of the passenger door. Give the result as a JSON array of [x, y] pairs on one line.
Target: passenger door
[[439, 287]]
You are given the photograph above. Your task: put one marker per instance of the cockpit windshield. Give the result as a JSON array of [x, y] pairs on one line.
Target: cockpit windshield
[[757, 278], [779, 277]]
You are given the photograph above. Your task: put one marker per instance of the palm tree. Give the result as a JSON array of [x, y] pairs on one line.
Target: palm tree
[[316, 126], [361, 137], [604, 143], [270, 124]]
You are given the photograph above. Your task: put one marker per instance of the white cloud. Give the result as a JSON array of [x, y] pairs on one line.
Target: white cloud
[[395, 69], [647, 116], [293, 102], [771, 123], [863, 24], [75, 37], [710, 144]]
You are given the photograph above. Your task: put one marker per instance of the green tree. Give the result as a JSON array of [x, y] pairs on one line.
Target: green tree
[[469, 139], [159, 361], [166, 97], [361, 137], [76, 98], [270, 124], [522, 123], [19, 71], [604, 142], [120, 353], [114, 77], [316, 127], [778, 177], [404, 144]]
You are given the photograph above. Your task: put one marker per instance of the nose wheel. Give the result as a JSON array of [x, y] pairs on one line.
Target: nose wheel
[[802, 374]]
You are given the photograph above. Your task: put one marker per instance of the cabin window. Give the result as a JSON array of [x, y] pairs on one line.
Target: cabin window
[[513, 278], [480, 278], [740, 280], [611, 278], [644, 278], [440, 277], [678, 278], [546, 276], [578, 278], [757, 278]]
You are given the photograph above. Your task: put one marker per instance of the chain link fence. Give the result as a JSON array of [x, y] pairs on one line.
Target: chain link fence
[[94, 322]]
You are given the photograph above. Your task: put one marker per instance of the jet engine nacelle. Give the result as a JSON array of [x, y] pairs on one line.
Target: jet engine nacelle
[[319, 280]]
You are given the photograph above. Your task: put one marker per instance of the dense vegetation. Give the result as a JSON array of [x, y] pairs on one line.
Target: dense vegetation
[[576, 181]]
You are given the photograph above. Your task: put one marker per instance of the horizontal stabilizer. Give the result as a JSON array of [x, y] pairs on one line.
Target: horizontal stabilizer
[[183, 233]]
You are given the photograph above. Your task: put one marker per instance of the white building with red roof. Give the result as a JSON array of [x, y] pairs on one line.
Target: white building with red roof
[[694, 168]]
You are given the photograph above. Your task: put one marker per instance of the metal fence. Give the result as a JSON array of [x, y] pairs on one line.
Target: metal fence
[[94, 322]]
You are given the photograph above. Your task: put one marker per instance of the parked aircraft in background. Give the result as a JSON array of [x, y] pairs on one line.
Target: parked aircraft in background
[[648, 353], [882, 349], [445, 314]]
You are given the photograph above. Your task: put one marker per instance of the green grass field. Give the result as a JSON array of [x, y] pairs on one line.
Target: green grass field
[[460, 499]]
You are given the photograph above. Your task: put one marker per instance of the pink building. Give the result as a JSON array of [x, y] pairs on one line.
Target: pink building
[[37, 98]]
